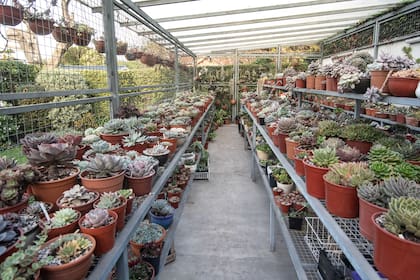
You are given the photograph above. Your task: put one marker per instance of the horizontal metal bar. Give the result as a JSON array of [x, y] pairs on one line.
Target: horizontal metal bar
[[133, 94], [358, 261], [107, 262], [285, 17], [249, 10], [149, 3], [41, 94], [52, 105]]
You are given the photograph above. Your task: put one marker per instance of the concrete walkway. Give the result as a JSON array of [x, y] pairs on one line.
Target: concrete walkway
[[223, 232]]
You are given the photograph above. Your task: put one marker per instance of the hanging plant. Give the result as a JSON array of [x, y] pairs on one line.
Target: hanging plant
[[11, 15]]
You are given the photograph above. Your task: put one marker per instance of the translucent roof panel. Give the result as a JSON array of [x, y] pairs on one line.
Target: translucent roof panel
[[213, 25]]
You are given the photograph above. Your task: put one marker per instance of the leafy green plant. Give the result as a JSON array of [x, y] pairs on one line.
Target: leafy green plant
[[281, 176], [103, 166], [361, 132], [379, 153], [350, 174], [126, 193], [109, 200], [349, 154], [329, 128], [62, 218], [324, 157], [264, 147], [403, 216]]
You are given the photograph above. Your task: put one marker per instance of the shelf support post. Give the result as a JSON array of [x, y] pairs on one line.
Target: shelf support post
[[253, 144], [376, 29], [194, 72], [278, 64], [176, 69], [235, 85], [299, 98], [111, 55], [357, 108], [122, 266], [272, 229]]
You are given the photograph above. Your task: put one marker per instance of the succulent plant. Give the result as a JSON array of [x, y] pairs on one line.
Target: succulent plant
[[6, 163], [109, 200], [76, 196], [281, 176], [14, 182], [313, 68], [373, 95], [379, 153], [97, 217], [180, 121], [34, 208], [361, 132], [101, 147], [350, 174], [141, 167], [134, 138], [408, 171], [285, 125], [8, 234], [147, 233], [402, 146], [329, 128], [324, 157], [67, 248], [126, 193], [56, 158], [32, 141], [158, 150], [134, 124], [115, 126], [103, 166], [62, 218], [382, 170], [161, 207], [348, 154], [333, 142], [127, 111], [74, 140], [403, 216]]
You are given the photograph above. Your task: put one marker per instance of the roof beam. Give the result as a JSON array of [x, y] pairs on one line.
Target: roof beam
[[146, 3], [323, 34], [253, 35], [281, 18], [310, 27], [249, 10]]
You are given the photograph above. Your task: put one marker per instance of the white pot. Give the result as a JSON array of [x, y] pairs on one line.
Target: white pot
[[262, 155], [287, 188]]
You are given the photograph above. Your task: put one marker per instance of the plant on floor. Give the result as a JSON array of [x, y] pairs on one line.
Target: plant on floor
[[109, 200], [350, 174], [62, 218], [97, 217], [403, 218], [324, 157]]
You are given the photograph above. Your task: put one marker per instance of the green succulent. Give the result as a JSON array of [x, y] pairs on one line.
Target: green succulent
[[361, 132], [161, 207], [350, 174], [329, 128], [408, 171], [381, 170], [379, 153], [264, 147], [62, 218], [72, 249], [324, 157], [281, 176], [403, 216], [147, 233], [103, 166], [134, 138], [102, 147], [402, 146], [109, 200], [126, 193], [116, 126], [333, 142]]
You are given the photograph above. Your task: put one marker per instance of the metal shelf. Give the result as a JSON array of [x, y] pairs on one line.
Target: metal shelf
[[118, 254], [349, 248]]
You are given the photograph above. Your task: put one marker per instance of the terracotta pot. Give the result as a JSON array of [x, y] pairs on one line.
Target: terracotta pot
[[270, 130], [175, 205], [155, 133], [381, 115], [140, 186], [276, 140], [366, 210], [282, 142], [362, 146], [81, 150], [51, 190], [136, 247], [299, 167], [403, 87], [63, 34], [129, 206], [41, 26], [82, 38], [370, 111], [172, 145], [314, 179], [300, 83], [172, 194], [83, 209], [11, 249], [104, 236], [10, 15], [290, 148], [414, 162], [148, 59], [138, 148], [54, 232], [284, 208], [412, 121], [396, 258], [320, 82], [110, 184], [400, 118], [74, 270], [310, 82], [120, 211], [340, 200], [17, 207], [377, 78], [348, 107], [113, 138], [331, 84], [392, 117]]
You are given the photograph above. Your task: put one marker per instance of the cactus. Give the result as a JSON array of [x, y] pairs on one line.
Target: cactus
[[97, 217], [161, 207], [350, 174], [349, 154], [379, 153], [333, 142], [324, 157], [103, 166], [109, 200], [403, 216], [62, 218]]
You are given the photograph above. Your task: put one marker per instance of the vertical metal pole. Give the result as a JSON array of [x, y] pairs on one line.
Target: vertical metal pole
[[357, 108], [300, 99], [176, 69], [111, 54], [322, 52], [272, 230], [194, 72], [278, 65], [235, 85], [376, 29], [122, 266], [253, 144]]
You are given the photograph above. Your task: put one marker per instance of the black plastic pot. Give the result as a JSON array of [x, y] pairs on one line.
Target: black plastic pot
[[295, 223], [155, 262], [272, 181], [361, 87], [262, 121]]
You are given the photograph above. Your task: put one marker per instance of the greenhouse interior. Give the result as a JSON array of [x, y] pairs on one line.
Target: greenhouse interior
[[207, 139]]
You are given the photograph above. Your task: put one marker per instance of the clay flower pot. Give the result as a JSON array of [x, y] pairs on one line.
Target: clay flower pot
[[310, 82], [104, 236], [366, 210], [110, 184], [41, 26], [300, 83], [331, 84], [282, 142], [402, 87], [341, 201], [82, 38], [299, 167], [140, 186], [362, 146], [320, 82], [120, 211], [54, 232], [377, 78], [63, 34], [139, 147], [314, 179], [17, 207], [84, 208], [113, 138], [290, 148]]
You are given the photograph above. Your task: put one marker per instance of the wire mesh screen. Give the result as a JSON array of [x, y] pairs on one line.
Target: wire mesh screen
[[400, 26]]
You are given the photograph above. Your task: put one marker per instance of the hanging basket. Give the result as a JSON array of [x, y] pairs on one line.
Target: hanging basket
[[41, 26], [63, 34], [10, 15], [82, 38], [148, 59]]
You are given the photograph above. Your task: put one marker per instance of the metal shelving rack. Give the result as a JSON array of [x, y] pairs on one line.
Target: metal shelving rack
[[338, 233], [118, 255]]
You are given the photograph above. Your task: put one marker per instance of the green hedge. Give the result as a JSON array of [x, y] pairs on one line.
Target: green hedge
[[13, 73]]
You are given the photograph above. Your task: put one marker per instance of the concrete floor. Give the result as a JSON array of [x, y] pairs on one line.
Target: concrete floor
[[223, 232]]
